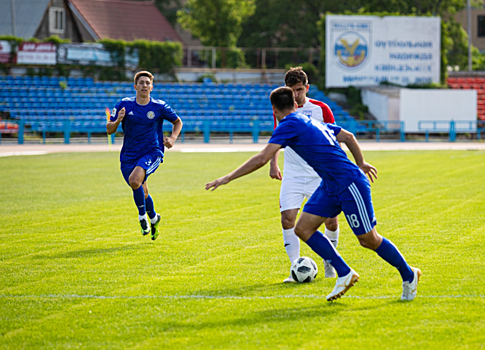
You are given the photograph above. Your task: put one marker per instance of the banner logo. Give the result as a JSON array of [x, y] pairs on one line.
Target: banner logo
[[351, 50]]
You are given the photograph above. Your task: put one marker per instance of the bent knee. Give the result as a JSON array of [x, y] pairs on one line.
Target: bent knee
[[332, 224], [134, 183], [372, 244]]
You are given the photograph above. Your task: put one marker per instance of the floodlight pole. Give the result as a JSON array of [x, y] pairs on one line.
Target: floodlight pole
[[469, 22], [12, 5]]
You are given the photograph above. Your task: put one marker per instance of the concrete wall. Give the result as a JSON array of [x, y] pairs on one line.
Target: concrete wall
[[383, 103], [444, 105]]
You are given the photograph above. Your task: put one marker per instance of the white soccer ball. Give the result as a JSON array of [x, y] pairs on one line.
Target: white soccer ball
[[304, 270]]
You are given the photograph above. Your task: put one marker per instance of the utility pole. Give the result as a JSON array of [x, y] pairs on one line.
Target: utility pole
[[469, 22], [12, 5]]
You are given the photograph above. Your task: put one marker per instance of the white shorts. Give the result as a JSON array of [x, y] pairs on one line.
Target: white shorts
[[295, 189]]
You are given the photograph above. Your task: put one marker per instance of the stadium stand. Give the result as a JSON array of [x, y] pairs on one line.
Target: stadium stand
[[78, 104], [476, 83]]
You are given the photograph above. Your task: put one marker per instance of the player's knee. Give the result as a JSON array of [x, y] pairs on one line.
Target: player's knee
[[370, 241], [332, 224], [287, 221], [134, 182]]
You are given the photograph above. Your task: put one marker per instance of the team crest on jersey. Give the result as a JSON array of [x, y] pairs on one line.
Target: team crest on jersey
[[307, 113], [151, 115]]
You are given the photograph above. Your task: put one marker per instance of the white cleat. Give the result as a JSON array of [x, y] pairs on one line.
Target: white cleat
[[409, 289], [343, 284], [329, 270], [289, 280]]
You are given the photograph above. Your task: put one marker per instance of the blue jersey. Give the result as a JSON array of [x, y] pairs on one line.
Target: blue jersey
[[142, 126], [315, 142]]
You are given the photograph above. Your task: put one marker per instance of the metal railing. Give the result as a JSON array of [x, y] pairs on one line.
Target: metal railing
[[254, 127]]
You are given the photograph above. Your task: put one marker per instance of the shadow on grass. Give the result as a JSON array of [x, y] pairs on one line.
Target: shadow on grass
[[86, 253]]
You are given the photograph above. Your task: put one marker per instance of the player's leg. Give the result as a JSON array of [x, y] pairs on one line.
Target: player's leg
[[331, 225], [358, 210], [152, 165], [153, 216], [292, 242], [307, 230], [135, 181], [291, 198]]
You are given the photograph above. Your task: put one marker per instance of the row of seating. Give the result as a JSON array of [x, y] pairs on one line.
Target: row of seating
[[30, 101], [88, 82], [471, 83]]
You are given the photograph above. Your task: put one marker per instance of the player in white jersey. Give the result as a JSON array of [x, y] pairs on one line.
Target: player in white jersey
[[300, 180]]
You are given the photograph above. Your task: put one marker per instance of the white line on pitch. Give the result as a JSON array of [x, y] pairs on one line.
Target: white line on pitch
[[76, 296]]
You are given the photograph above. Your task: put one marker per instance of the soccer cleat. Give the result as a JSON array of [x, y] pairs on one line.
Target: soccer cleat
[[409, 289], [329, 270], [145, 227], [155, 227], [343, 284], [289, 280]]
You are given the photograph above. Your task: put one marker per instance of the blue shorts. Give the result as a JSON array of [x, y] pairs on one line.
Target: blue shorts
[[149, 162], [355, 202]]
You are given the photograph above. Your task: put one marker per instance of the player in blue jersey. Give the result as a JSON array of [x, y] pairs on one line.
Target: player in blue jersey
[[344, 187], [141, 118]]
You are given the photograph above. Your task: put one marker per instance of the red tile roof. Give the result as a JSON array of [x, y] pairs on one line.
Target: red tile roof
[[127, 20]]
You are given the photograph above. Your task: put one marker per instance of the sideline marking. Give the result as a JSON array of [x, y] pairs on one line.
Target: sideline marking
[[26, 153], [229, 297], [219, 150]]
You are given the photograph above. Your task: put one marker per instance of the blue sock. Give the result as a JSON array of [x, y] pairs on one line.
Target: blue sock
[[322, 246], [139, 196], [389, 252], [150, 207]]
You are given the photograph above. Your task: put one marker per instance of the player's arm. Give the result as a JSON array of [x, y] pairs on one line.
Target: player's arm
[[351, 142], [274, 169], [254, 163], [176, 129], [111, 126]]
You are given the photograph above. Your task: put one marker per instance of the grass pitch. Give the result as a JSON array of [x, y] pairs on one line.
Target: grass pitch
[[75, 271]]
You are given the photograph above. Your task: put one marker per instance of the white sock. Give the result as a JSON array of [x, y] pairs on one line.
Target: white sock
[[143, 217], [154, 219], [292, 244], [332, 235]]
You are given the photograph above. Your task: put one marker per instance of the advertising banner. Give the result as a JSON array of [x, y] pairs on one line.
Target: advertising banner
[[368, 50], [36, 53], [5, 48], [91, 54]]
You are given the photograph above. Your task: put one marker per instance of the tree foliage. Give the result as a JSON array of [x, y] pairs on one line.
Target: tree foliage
[[293, 23], [216, 22]]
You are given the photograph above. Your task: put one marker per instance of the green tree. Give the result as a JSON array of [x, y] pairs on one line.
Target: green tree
[[216, 22]]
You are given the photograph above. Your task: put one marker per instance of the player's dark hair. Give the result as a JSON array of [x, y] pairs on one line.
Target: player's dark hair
[[296, 75], [143, 73], [282, 98]]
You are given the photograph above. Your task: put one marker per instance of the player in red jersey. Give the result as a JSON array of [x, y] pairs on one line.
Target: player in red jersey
[[300, 180]]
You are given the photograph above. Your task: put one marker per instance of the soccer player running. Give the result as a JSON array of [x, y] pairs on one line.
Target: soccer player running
[[141, 118], [300, 180], [344, 187]]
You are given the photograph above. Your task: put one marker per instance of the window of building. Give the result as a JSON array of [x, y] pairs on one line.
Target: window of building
[[57, 20], [481, 26]]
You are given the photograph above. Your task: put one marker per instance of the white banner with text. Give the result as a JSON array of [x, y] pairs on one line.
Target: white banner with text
[[369, 50]]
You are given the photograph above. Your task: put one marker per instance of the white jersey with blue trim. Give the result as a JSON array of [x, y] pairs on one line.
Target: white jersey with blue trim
[[316, 143], [142, 126]]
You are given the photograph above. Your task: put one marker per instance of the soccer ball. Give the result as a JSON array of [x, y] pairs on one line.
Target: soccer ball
[[304, 270]]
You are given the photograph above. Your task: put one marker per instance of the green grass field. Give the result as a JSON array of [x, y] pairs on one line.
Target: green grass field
[[75, 271]]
